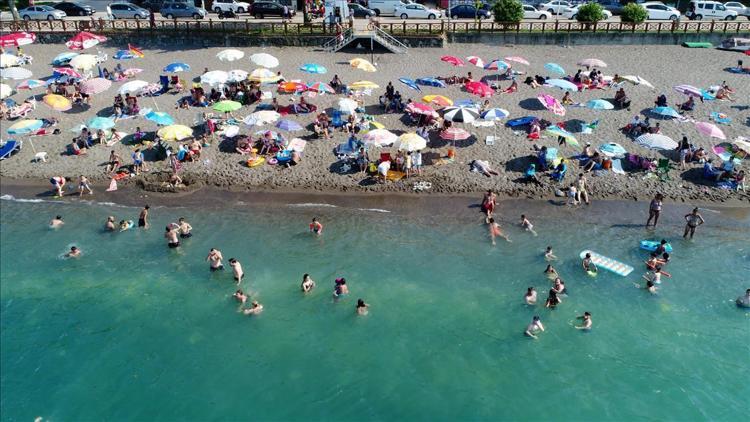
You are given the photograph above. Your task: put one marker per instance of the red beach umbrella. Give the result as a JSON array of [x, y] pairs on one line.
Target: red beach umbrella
[[420, 108], [16, 39], [84, 40], [479, 88], [455, 61]]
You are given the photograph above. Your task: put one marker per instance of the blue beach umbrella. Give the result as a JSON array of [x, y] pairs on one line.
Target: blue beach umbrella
[[562, 84], [177, 67], [665, 111], [496, 64], [495, 114], [123, 55], [63, 58], [411, 83], [554, 67], [25, 126], [600, 105], [313, 68], [160, 118], [431, 82], [465, 103], [288, 125], [102, 123]]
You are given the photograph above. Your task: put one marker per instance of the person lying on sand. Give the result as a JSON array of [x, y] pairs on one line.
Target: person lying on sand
[[483, 167]]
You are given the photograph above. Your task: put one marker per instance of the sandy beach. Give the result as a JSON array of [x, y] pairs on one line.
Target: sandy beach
[[663, 66]]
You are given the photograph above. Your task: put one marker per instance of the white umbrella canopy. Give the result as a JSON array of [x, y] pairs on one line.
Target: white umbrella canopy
[[132, 87], [5, 91], [83, 62], [410, 142], [655, 141], [379, 137], [265, 60], [347, 106], [8, 60], [237, 75], [260, 118], [230, 55], [16, 73], [215, 77]]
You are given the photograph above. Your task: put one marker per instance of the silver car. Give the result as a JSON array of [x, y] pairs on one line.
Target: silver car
[[41, 13], [182, 10], [128, 11]]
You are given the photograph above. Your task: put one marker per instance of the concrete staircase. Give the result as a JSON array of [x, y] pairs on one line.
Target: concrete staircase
[[374, 35]]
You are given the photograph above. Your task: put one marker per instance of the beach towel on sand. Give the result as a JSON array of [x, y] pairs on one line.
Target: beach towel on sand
[[617, 167]]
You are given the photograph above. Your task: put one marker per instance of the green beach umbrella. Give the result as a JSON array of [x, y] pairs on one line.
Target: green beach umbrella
[[102, 123], [227, 106]]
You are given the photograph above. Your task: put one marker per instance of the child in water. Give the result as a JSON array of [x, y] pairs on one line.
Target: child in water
[[526, 224], [496, 232], [548, 255]]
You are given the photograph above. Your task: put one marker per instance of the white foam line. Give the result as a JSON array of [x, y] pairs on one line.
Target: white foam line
[[312, 204], [373, 210]]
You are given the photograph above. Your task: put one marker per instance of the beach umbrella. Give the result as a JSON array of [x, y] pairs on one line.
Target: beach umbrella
[[288, 125], [177, 67], [57, 102], [261, 117], [558, 131], [592, 63], [313, 68], [227, 106], [379, 137], [132, 87], [665, 111], [411, 83], [229, 55], [292, 86], [612, 149], [237, 75], [16, 73], [25, 126], [550, 103], [431, 82], [372, 125], [215, 77], [410, 142], [554, 67], [364, 85], [322, 88], [466, 102], [174, 132], [421, 109], [476, 61], [102, 123], [637, 80], [455, 134], [438, 100], [264, 59], [495, 114], [710, 129], [8, 60], [460, 114], [562, 84], [478, 88], [16, 39], [496, 64], [123, 55], [5, 91], [63, 58], [347, 106], [84, 40], [656, 141], [31, 84], [362, 64], [67, 72], [599, 105], [455, 61], [689, 90], [160, 118], [130, 72], [83, 62], [517, 59], [742, 143], [263, 75]]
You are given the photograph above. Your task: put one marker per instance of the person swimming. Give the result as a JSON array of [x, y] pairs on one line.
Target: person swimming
[[255, 309], [495, 231], [588, 265], [316, 227], [652, 261], [551, 272], [307, 283], [341, 289], [552, 300], [587, 322], [109, 225], [651, 287], [362, 307], [548, 255], [526, 224], [237, 270], [655, 275], [744, 301], [559, 287], [534, 327], [530, 296], [240, 296], [73, 253], [56, 222]]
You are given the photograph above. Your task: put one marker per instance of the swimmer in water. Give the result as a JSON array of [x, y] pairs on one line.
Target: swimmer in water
[[693, 221], [56, 222], [548, 255], [655, 276], [744, 301], [530, 297], [588, 264], [316, 227], [559, 287], [240, 296], [215, 257], [341, 289], [237, 270], [143, 217], [171, 235], [74, 253], [526, 224], [662, 248], [185, 228], [307, 283], [552, 300], [255, 309], [125, 225], [496, 232], [587, 323], [652, 261], [534, 327], [651, 287], [551, 272], [110, 224], [362, 307], [664, 260]]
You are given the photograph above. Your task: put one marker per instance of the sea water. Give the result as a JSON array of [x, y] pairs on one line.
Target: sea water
[[136, 331]]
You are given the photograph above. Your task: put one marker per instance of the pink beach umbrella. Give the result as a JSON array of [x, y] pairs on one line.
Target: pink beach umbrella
[[496, 64], [455, 61], [420, 108], [479, 88], [517, 59], [455, 134], [131, 71], [84, 40], [592, 63], [476, 61], [688, 90], [95, 86], [16, 39], [710, 129], [66, 71], [550, 103]]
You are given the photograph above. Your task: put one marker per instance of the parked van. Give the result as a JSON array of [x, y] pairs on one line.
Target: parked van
[[386, 7], [698, 10]]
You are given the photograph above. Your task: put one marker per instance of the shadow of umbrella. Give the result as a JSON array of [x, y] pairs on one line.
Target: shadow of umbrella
[[695, 175], [531, 104], [519, 164]]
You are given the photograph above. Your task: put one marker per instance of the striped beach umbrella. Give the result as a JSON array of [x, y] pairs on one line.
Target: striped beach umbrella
[[455, 134], [57, 102], [95, 86], [460, 114], [132, 87], [84, 40], [476, 61], [322, 88], [16, 39], [689, 90], [495, 114], [67, 72], [31, 84], [496, 64], [517, 59], [656, 141], [25, 126]]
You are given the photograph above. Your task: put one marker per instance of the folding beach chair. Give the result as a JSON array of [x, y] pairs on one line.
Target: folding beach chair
[[662, 169], [9, 148]]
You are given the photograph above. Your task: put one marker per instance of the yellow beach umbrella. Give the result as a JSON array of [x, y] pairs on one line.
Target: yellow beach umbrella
[[57, 102], [83, 62], [410, 142], [263, 76], [438, 100], [362, 64], [174, 132], [364, 85]]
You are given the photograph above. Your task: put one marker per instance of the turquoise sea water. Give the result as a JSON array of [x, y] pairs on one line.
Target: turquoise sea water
[[135, 331]]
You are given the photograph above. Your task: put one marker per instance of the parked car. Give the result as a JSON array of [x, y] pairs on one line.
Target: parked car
[[555, 7], [698, 10], [359, 11], [658, 11], [182, 10], [531, 12], [466, 11], [572, 12], [230, 5], [41, 13], [416, 10], [261, 9], [738, 7], [72, 8], [128, 11], [386, 7], [613, 6]]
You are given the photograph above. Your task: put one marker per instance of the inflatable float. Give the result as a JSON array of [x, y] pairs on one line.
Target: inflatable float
[[256, 162], [608, 264], [651, 245]]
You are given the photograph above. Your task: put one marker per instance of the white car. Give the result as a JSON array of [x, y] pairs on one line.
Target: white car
[[530, 12], [41, 13], [230, 5], [659, 11], [738, 7], [415, 10], [554, 7], [572, 12], [709, 10]]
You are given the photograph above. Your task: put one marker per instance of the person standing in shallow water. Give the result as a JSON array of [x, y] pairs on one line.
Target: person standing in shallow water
[[143, 217], [534, 327], [693, 221], [316, 227], [654, 210]]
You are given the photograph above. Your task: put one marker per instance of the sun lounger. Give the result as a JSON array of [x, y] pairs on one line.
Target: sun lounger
[[9, 148]]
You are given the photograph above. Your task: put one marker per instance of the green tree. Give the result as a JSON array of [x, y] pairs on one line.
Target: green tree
[[633, 13], [508, 11], [590, 12]]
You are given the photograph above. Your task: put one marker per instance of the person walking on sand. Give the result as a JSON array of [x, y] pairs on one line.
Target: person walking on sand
[[526, 224], [582, 194], [587, 322], [316, 227], [654, 209], [693, 220], [56, 222], [143, 217], [307, 283], [83, 185], [496, 232], [534, 327], [215, 257], [237, 270], [185, 228], [57, 185], [171, 235]]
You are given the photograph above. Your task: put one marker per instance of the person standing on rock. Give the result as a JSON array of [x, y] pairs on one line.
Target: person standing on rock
[[654, 209]]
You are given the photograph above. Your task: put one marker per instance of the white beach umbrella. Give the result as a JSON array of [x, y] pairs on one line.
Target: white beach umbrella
[[237, 75], [215, 77], [410, 142], [83, 62], [230, 55], [379, 137], [265, 60], [347, 106], [132, 87], [8, 60], [5, 91], [262, 117], [15, 73]]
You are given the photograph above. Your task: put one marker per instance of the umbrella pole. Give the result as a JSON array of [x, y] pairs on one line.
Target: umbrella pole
[[32, 145]]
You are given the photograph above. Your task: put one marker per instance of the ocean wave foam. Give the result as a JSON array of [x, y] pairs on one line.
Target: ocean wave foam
[[312, 204], [373, 210], [13, 198]]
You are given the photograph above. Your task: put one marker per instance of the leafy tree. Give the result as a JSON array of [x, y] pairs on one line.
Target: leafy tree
[[633, 13], [508, 11], [590, 12]]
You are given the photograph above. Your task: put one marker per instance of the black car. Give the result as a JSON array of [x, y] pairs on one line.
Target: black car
[[72, 8], [359, 11], [613, 6], [261, 9], [466, 11]]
